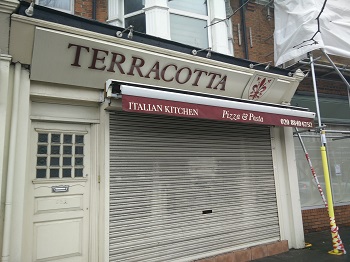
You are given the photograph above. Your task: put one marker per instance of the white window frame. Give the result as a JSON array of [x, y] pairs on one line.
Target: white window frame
[[189, 14], [115, 12], [71, 11], [196, 16], [263, 2], [139, 12], [117, 17], [125, 16]]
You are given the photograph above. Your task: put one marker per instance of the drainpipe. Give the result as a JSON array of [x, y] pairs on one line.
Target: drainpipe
[[11, 166], [244, 29], [94, 9]]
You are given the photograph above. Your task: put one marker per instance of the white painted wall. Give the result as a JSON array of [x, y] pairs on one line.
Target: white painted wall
[[6, 71], [15, 118], [104, 184], [6, 9]]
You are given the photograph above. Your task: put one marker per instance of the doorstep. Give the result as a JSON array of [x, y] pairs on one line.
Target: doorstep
[[250, 253]]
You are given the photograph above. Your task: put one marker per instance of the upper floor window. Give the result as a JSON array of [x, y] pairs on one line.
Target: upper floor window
[[183, 21], [188, 20], [135, 15], [133, 6], [61, 5], [264, 2]]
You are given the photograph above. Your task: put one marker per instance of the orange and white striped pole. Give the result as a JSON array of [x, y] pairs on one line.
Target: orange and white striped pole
[[338, 246]]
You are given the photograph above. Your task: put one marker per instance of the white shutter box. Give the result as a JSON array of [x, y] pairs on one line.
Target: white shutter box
[[183, 189]]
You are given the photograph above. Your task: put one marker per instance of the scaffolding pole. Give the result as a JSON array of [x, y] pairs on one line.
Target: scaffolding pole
[[338, 247], [339, 73]]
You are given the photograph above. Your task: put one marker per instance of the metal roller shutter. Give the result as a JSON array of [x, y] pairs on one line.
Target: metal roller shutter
[[182, 189]]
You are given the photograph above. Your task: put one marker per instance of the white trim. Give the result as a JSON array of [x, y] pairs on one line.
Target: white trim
[[72, 131], [157, 18], [115, 16], [296, 223], [6, 58], [60, 180], [104, 185], [71, 11], [188, 14], [94, 194], [6, 88], [134, 14], [8, 6], [172, 96], [63, 119]]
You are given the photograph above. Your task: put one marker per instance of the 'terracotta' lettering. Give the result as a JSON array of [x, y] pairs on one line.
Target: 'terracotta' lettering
[[136, 67]]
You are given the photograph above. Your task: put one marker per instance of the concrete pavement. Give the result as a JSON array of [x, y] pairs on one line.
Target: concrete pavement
[[321, 244]]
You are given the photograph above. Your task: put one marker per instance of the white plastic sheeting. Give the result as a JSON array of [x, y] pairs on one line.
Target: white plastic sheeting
[[295, 22], [339, 167]]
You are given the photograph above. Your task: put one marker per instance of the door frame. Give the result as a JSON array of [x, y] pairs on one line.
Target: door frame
[[93, 190]]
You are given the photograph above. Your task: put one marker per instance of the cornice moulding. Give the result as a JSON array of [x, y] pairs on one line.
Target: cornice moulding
[[8, 6]]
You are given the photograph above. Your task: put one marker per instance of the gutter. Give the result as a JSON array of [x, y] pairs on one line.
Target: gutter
[[244, 29], [94, 8]]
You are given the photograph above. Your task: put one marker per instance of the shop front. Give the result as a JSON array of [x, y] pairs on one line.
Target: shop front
[[138, 150], [190, 180]]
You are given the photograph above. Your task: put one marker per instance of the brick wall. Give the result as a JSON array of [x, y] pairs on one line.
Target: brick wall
[[261, 31], [84, 8], [102, 10], [317, 219], [324, 86]]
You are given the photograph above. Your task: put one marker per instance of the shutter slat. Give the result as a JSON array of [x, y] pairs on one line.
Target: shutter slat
[[181, 189]]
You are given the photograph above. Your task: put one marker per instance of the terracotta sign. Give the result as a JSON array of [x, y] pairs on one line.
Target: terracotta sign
[[74, 60]]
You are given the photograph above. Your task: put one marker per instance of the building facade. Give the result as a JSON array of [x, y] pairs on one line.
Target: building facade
[[256, 42], [124, 146]]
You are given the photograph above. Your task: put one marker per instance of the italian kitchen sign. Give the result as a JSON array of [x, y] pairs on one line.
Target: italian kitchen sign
[[81, 61], [174, 108]]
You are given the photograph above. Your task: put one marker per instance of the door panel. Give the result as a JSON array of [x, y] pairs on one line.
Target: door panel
[[49, 235], [59, 192]]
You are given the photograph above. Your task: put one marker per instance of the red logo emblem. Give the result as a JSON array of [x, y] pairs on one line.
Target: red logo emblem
[[259, 87]]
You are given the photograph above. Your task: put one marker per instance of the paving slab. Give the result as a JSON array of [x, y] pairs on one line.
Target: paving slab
[[318, 252]]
